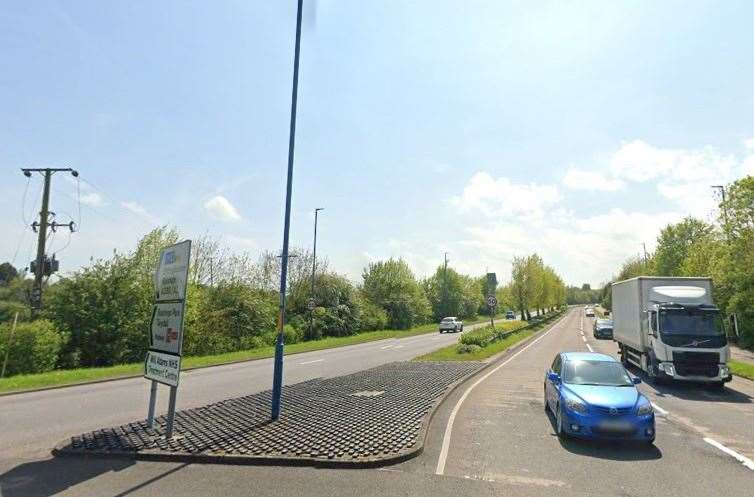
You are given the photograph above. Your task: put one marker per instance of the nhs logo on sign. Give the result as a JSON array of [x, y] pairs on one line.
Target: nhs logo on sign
[[169, 257]]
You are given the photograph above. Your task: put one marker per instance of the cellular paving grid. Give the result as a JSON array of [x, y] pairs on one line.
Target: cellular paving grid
[[375, 415]]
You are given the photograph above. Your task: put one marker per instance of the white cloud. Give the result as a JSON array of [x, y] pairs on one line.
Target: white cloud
[[137, 208], [639, 161], [749, 143], [93, 199], [747, 166], [220, 208], [578, 179], [501, 197]]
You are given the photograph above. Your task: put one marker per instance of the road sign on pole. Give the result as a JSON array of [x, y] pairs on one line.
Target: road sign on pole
[[491, 301], [311, 304], [163, 361]]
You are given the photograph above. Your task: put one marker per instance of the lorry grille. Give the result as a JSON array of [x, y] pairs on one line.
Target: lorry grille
[[714, 342], [696, 363]]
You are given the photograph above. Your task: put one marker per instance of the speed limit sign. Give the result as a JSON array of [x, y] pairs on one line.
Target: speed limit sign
[[311, 304], [492, 301]]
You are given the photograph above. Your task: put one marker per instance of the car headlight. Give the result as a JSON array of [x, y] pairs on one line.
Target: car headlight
[[644, 409], [724, 371], [576, 405]]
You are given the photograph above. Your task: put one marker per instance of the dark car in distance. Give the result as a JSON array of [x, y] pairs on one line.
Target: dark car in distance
[[603, 329], [510, 315]]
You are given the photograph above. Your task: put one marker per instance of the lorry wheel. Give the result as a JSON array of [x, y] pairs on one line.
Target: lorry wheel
[[623, 356]]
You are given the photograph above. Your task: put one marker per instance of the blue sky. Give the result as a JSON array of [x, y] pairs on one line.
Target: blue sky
[[484, 129]]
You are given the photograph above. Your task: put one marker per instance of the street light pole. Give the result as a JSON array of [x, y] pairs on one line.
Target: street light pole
[[314, 268], [277, 377]]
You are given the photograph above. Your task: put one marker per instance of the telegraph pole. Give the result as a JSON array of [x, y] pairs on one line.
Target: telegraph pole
[[314, 268], [725, 209], [277, 375], [644, 246], [42, 266]]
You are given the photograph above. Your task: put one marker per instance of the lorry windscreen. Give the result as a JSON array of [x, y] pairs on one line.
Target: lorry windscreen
[[691, 322]]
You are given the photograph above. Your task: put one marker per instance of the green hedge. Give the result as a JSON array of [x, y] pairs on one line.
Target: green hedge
[[34, 347]]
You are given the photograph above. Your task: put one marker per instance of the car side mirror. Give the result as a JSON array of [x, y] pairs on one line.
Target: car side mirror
[[636, 380], [553, 377]]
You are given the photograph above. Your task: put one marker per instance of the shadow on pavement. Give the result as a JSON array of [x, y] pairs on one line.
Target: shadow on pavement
[[695, 391], [615, 450], [55, 475]]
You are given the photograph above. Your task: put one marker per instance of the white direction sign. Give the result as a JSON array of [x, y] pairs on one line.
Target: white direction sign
[[172, 272], [167, 327], [163, 368]]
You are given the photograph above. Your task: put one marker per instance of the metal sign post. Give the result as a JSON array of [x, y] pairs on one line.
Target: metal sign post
[[492, 304], [163, 361]]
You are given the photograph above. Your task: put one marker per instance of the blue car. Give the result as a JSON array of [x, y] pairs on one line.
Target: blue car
[[593, 396]]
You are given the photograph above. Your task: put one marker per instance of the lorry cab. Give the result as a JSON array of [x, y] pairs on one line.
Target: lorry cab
[[670, 328]]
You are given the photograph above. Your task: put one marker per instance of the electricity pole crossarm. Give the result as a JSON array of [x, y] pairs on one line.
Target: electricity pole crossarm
[[41, 266]]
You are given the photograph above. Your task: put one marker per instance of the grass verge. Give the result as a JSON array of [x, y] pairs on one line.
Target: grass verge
[[64, 377], [743, 369]]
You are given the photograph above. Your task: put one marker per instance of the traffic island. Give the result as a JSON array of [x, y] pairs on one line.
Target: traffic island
[[370, 418]]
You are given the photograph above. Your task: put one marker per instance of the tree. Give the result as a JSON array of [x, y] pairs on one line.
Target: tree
[[452, 294], [392, 286], [7, 273], [675, 242]]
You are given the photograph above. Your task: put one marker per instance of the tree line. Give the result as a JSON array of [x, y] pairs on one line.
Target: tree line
[[99, 315], [723, 251]]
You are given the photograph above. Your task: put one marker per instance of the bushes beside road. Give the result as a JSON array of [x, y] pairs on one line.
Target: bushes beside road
[[98, 316]]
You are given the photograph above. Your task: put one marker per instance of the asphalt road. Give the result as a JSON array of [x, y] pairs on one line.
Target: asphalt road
[[501, 442], [32, 423], [502, 436]]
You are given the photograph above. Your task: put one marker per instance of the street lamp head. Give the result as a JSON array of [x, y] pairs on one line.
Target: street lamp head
[[319, 209], [27, 174], [74, 173]]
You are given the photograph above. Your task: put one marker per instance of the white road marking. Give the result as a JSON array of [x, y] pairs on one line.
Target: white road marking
[[386, 347], [590, 348], [583, 338], [660, 409], [449, 428], [748, 463], [311, 362], [398, 347]]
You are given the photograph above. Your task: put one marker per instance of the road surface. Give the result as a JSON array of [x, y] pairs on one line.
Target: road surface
[[32, 423], [501, 441]]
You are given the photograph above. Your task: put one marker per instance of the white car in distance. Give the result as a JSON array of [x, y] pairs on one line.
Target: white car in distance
[[451, 324]]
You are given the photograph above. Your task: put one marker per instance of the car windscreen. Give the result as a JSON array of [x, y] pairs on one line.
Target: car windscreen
[[604, 373], [689, 321], [448, 320]]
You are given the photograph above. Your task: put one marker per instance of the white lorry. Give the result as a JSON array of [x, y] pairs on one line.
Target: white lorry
[[670, 328]]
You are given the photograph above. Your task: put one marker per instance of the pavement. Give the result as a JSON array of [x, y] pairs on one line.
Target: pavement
[[492, 439], [741, 355]]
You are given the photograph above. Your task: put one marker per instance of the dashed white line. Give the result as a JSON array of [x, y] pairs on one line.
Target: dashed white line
[[583, 338], [387, 347], [748, 463], [590, 348], [311, 362], [449, 428]]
